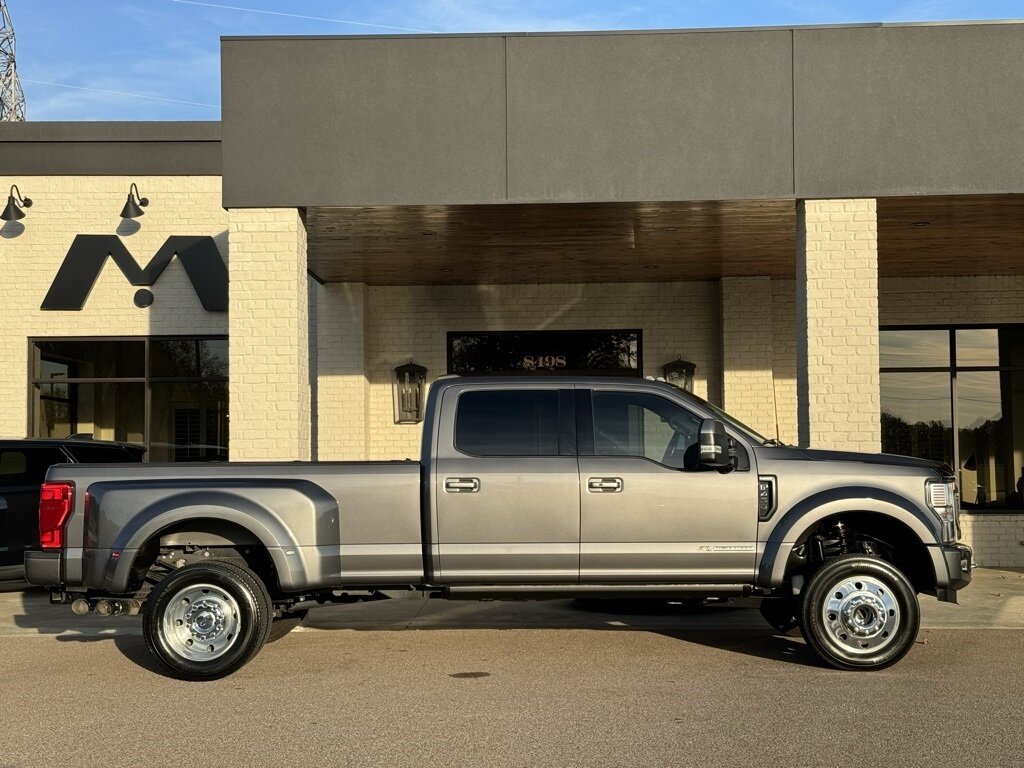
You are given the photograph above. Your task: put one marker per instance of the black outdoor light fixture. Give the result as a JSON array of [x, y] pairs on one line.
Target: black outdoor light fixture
[[15, 202], [134, 205], [410, 387], [680, 373]]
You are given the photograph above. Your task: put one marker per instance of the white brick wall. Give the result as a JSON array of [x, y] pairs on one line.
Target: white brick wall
[[402, 322], [784, 359], [998, 540], [342, 386], [748, 352], [977, 299], [32, 250], [269, 336], [837, 324]]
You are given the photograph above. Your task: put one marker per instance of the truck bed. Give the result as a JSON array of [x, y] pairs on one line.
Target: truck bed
[[324, 524]]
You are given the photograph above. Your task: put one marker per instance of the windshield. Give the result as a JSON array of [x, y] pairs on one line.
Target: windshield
[[732, 421]]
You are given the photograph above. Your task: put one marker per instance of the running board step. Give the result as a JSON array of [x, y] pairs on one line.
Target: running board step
[[540, 591]]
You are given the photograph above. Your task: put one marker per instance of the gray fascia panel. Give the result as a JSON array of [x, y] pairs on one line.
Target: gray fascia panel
[[110, 148], [935, 110], [363, 122], [655, 117]]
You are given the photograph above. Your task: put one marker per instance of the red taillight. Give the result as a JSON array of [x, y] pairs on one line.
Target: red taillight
[[56, 501]]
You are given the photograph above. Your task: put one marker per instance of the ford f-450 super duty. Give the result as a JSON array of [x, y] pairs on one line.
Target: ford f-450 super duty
[[525, 488]]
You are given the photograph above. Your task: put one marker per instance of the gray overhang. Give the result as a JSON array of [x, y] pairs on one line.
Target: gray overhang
[[779, 113], [110, 148]]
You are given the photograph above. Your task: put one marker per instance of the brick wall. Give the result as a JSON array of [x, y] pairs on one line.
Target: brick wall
[[269, 335], [837, 324], [784, 358], [997, 540], [748, 352], [402, 322], [341, 382], [978, 299], [32, 250]]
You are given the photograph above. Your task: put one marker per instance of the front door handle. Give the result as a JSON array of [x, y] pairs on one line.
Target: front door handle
[[604, 484], [461, 485], [3, 503]]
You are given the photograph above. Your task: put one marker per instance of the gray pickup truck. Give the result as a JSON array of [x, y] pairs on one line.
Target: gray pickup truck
[[526, 488]]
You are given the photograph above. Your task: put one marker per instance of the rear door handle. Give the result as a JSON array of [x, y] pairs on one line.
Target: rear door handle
[[461, 485], [604, 484]]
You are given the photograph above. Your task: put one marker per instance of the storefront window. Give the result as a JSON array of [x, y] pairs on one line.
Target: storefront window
[[957, 395], [609, 353], [170, 395]]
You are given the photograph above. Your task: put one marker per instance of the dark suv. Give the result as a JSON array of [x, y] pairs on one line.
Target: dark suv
[[23, 465]]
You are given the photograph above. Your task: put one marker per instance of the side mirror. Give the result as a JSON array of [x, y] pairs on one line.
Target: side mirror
[[713, 445]]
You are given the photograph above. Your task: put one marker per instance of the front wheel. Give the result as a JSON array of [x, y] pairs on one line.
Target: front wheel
[[860, 612], [206, 620]]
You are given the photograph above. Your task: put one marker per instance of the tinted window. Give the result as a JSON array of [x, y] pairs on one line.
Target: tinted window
[[636, 424], [508, 423], [28, 466], [94, 454]]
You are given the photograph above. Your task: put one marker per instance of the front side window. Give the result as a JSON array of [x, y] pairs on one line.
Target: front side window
[[645, 425], [507, 423]]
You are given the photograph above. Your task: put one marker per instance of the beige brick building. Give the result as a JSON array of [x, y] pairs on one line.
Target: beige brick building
[[517, 223]]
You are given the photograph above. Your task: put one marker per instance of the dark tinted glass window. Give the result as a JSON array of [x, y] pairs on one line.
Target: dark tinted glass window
[[635, 424], [28, 466], [508, 423], [95, 454], [90, 359], [614, 352]]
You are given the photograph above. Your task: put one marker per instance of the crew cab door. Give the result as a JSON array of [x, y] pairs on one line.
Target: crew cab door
[[649, 512], [506, 486]]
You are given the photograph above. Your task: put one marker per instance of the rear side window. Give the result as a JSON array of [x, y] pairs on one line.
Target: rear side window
[[507, 423]]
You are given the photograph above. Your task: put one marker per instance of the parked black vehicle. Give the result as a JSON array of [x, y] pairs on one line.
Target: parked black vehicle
[[23, 465]]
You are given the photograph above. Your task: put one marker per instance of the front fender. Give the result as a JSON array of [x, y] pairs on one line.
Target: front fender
[[296, 520], [803, 516]]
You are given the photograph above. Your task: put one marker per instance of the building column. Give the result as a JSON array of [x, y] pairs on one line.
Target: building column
[[268, 335], [837, 324], [747, 352], [342, 385]]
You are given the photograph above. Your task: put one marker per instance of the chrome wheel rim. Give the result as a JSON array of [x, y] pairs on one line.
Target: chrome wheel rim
[[861, 615], [201, 622]]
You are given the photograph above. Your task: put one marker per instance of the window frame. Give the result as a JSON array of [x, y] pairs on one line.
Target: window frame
[[147, 380], [952, 369]]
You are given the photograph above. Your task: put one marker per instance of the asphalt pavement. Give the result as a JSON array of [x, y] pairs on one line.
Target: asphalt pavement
[[426, 682]]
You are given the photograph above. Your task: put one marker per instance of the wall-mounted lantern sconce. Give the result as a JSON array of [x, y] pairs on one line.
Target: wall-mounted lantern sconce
[[410, 387], [133, 207], [680, 373], [15, 202]]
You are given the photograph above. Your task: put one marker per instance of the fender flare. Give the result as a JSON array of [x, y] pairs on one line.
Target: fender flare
[[239, 504], [802, 517]]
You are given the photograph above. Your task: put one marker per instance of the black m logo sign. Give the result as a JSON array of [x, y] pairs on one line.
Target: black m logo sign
[[88, 253]]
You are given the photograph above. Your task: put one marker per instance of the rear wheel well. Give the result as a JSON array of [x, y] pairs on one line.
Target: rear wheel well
[[199, 540], [869, 533]]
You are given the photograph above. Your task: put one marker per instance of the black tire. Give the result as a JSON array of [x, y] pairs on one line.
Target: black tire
[[207, 620], [860, 612]]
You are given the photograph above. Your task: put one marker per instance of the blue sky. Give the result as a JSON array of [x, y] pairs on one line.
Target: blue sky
[[115, 52]]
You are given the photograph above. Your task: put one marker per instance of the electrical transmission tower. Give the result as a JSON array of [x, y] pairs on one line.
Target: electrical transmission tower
[[12, 98]]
